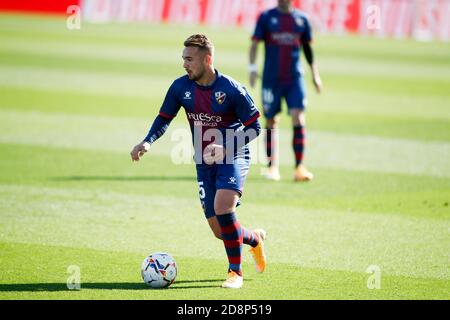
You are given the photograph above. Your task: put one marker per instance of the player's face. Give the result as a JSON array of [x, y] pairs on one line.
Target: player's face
[[195, 62], [284, 4]]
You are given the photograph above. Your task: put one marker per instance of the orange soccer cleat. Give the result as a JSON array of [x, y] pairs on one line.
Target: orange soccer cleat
[[258, 252]]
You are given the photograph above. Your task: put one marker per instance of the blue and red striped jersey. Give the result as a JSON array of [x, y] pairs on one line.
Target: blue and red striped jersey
[[225, 104], [283, 35]]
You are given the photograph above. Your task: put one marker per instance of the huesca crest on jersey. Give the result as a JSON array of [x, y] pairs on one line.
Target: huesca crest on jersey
[[220, 96]]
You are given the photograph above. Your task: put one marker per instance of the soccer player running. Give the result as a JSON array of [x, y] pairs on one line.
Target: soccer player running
[[215, 106], [284, 31]]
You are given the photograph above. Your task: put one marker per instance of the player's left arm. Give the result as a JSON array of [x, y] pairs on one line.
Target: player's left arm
[[306, 41], [309, 55], [248, 114]]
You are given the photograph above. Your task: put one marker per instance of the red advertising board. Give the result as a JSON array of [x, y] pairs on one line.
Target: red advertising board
[[37, 6], [421, 19]]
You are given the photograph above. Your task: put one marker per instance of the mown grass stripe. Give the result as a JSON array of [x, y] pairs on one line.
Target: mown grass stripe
[[328, 149], [327, 239], [198, 279]]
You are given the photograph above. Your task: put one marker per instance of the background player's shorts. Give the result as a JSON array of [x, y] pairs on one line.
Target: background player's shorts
[[220, 176], [294, 93]]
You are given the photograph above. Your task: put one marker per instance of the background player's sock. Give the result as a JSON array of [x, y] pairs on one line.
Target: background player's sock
[[298, 143], [249, 237], [232, 239], [269, 145]]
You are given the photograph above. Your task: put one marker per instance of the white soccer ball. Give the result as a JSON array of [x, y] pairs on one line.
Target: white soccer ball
[[159, 270]]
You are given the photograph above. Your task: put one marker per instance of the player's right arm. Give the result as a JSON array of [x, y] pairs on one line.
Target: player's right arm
[[159, 127], [258, 35], [253, 68], [168, 111]]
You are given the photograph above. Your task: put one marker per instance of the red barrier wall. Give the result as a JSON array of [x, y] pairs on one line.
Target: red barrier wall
[[420, 19], [37, 6]]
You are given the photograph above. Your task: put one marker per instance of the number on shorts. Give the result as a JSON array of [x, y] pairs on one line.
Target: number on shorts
[[267, 96], [201, 190]]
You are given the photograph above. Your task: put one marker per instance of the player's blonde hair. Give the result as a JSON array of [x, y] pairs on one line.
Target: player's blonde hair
[[200, 41]]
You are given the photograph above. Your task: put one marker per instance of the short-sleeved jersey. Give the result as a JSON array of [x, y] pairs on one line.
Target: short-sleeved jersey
[[225, 104], [283, 35]]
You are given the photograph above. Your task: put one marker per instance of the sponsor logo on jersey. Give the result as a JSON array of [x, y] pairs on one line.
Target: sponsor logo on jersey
[[285, 38], [220, 96], [204, 119]]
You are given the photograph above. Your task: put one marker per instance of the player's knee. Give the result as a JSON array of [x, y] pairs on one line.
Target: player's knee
[[298, 117], [271, 123], [225, 201], [224, 208]]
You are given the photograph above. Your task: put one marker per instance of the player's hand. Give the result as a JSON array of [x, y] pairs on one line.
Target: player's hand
[[253, 77], [139, 150], [213, 153], [317, 83], [316, 78]]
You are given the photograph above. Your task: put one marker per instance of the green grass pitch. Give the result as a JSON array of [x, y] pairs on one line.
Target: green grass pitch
[[73, 103]]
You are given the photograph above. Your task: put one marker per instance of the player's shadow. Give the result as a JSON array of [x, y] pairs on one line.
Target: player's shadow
[[53, 287], [124, 178], [217, 285]]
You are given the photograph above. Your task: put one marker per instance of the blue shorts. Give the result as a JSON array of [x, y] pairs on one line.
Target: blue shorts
[[294, 93], [211, 178]]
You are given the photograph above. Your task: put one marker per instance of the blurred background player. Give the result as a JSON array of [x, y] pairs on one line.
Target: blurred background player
[[284, 31], [215, 104]]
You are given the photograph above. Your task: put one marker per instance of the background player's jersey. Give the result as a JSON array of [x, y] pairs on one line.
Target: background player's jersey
[[283, 34], [223, 105]]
